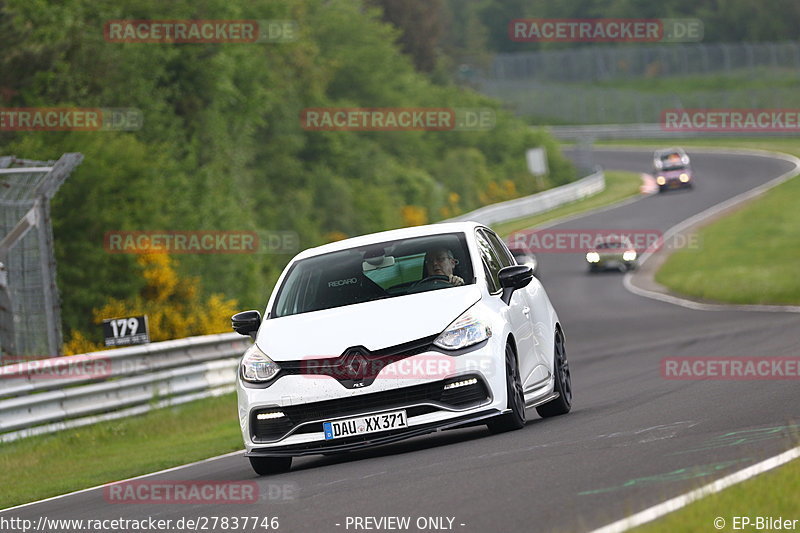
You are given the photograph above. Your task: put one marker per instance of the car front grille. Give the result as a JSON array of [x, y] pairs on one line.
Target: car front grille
[[461, 397]]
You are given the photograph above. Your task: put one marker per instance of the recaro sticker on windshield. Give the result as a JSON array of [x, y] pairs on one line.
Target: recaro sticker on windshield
[[340, 282]]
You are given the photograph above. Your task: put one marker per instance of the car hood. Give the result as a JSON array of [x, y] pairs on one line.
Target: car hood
[[373, 325]]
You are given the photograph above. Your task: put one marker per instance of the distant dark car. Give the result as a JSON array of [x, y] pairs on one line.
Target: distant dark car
[[612, 253], [526, 257], [672, 169]]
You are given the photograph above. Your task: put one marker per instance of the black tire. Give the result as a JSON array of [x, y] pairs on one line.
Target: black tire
[[563, 383], [265, 466], [516, 399], [593, 269]]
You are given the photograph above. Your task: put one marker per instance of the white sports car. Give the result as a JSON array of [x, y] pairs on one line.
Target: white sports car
[[383, 337]]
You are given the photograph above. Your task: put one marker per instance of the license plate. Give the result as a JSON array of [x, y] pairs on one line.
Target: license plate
[[364, 424]]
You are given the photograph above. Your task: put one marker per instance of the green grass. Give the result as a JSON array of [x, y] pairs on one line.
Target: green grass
[[48, 465], [749, 257], [619, 186], [772, 494]]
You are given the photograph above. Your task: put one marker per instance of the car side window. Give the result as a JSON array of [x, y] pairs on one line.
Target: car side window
[[491, 262], [504, 256]]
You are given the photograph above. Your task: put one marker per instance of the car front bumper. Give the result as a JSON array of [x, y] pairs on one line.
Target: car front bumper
[[372, 439], [308, 401]]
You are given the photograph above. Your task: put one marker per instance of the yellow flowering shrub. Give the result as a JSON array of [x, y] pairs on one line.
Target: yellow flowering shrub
[[172, 305], [414, 215]]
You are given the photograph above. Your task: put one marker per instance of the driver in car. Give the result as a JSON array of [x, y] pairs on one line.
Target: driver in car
[[441, 262]]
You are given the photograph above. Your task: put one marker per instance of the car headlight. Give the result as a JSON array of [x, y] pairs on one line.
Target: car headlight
[[593, 257], [466, 330], [630, 255], [256, 367], [661, 180], [684, 177]]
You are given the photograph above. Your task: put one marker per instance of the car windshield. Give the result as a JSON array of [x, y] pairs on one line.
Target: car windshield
[[672, 161], [608, 245], [373, 272]]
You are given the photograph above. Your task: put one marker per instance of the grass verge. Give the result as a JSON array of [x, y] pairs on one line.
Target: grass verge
[[619, 186], [772, 494], [74, 459], [748, 257]]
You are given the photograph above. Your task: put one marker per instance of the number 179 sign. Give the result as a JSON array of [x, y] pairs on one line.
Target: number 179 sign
[[125, 331]]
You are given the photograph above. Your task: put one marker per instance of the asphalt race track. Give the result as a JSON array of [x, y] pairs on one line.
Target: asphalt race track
[[632, 440]]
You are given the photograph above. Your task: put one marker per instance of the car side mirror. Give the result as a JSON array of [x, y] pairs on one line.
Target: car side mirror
[[246, 323], [513, 278]]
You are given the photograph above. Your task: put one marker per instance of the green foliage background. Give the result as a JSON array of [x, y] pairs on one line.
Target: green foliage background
[[222, 147]]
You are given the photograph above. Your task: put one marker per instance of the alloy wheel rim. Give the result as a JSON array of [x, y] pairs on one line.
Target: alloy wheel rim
[[563, 367], [516, 385]]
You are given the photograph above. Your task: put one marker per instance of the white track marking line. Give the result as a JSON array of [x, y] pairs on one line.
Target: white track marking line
[[683, 500], [173, 469]]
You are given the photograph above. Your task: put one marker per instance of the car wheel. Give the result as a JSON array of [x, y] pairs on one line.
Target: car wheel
[[516, 399], [563, 383], [593, 269], [265, 466]]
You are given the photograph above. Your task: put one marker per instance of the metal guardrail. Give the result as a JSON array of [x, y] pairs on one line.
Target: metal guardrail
[[646, 131], [48, 395], [536, 203], [53, 394]]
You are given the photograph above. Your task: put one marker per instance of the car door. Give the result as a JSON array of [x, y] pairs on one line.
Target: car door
[[496, 256]]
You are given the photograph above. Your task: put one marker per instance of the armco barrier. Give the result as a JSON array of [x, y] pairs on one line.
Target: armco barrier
[[536, 203], [136, 379]]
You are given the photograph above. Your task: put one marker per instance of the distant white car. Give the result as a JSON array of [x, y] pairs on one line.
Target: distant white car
[[383, 337], [672, 169]]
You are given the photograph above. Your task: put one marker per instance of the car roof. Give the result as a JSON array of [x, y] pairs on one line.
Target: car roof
[[391, 235]]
